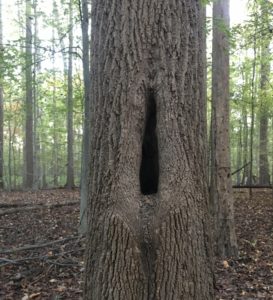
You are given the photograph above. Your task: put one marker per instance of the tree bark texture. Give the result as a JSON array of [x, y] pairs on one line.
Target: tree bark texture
[[29, 176], [1, 108], [148, 231], [221, 185]]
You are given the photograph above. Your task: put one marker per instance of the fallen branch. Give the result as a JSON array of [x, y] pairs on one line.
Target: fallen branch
[[252, 186], [31, 247], [13, 205], [46, 258], [36, 207]]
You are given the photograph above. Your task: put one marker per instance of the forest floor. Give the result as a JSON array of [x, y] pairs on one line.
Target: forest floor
[[41, 253]]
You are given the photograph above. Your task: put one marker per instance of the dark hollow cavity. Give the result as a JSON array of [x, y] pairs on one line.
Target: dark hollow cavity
[[149, 168]]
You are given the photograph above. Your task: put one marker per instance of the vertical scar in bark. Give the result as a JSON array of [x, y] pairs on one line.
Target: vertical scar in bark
[[148, 176], [149, 168]]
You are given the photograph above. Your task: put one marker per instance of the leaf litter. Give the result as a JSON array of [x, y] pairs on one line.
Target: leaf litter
[[54, 270]]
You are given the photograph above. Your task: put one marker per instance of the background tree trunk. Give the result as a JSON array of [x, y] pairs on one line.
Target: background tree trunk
[[221, 185], [245, 146], [70, 136], [36, 113], [55, 160], [264, 177], [86, 129], [239, 154], [148, 232], [29, 100], [250, 180], [1, 107]]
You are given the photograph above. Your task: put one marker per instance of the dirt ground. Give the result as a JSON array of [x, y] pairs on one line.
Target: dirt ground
[[250, 276], [41, 253]]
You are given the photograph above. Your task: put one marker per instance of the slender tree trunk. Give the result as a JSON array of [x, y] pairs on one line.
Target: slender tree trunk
[[9, 155], [36, 69], [21, 18], [14, 162], [55, 165], [253, 103], [13, 142], [245, 146], [221, 185], [86, 129], [264, 177], [1, 138], [239, 153], [1, 108], [44, 180], [70, 135], [272, 153], [29, 100], [148, 232], [65, 68]]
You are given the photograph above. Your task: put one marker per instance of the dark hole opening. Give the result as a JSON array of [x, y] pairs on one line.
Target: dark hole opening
[[149, 168]]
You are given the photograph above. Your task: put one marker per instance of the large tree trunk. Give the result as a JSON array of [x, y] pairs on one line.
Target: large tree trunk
[[29, 101], [70, 135], [221, 185], [148, 218], [1, 108], [86, 129]]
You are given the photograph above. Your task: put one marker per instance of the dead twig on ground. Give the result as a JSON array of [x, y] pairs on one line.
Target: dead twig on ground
[[31, 247], [35, 207], [47, 258]]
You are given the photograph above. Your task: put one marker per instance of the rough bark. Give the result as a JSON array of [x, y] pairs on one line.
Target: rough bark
[[148, 234], [70, 135], [29, 169], [221, 185], [86, 129], [1, 108]]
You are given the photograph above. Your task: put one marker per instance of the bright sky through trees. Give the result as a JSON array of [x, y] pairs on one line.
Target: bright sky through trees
[[12, 24], [237, 13]]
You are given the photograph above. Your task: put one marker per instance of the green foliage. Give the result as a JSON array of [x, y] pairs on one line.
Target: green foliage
[[50, 91], [206, 2], [250, 51]]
